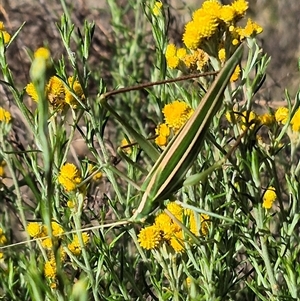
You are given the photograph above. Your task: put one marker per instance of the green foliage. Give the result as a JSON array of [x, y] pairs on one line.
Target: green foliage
[[72, 221]]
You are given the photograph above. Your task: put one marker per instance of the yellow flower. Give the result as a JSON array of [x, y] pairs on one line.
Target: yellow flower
[[181, 53], [57, 229], [50, 269], [191, 36], [47, 243], [5, 116], [227, 13], [31, 91], [1, 255], [236, 73], [69, 177], [71, 204], [163, 132], [269, 198], [282, 115], [266, 119], [170, 51], [197, 60], [2, 169], [176, 114], [248, 120], [240, 7], [77, 89], [251, 28], [177, 242], [157, 8], [173, 62], [42, 52], [6, 36], [75, 246], [212, 8], [295, 122], [165, 226], [203, 26], [34, 229], [55, 91], [176, 210], [3, 239], [4, 33], [149, 237], [222, 55]]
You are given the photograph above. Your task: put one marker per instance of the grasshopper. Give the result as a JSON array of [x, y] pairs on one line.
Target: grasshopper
[[168, 173]]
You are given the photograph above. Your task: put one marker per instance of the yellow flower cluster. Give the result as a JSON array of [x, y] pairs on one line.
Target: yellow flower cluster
[[58, 93], [165, 230], [5, 116], [176, 115], [75, 246], [182, 59], [269, 198], [212, 26], [38, 230], [250, 119], [4, 34], [69, 177]]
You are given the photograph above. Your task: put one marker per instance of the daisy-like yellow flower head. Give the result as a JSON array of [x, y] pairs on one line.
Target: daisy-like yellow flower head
[[5, 116], [47, 243], [34, 229], [42, 52], [177, 242], [212, 8], [57, 229], [55, 91], [175, 209], [165, 226], [227, 14], [75, 246], [50, 269], [266, 119], [282, 115], [149, 237], [69, 177], [163, 132], [269, 198], [176, 114], [240, 7], [76, 87]]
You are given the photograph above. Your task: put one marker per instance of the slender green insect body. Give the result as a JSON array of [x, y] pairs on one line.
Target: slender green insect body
[[167, 175]]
